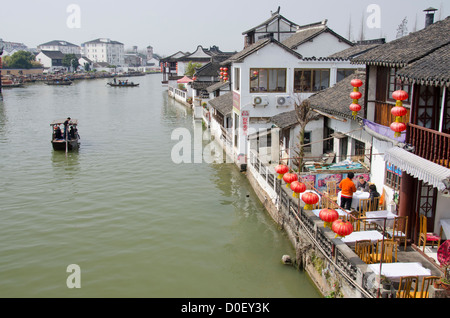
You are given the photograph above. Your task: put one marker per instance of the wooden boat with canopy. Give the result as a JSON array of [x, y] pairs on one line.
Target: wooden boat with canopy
[[67, 137]]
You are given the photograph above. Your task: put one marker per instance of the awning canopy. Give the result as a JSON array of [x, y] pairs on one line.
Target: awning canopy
[[184, 79], [427, 171]]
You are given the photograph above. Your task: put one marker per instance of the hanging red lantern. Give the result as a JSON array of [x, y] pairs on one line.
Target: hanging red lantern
[[225, 69], [341, 228], [297, 187], [309, 198], [225, 79], [328, 216], [221, 68], [289, 178], [356, 82], [355, 95], [281, 170], [399, 111]]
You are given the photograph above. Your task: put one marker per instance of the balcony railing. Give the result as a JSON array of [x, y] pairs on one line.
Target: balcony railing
[[429, 144]]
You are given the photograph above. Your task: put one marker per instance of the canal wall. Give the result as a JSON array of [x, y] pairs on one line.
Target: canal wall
[[333, 266]]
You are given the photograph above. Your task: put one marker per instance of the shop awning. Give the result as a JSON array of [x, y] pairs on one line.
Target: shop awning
[[427, 171]]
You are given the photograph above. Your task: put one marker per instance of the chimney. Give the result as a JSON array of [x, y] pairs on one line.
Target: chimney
[[429, 18]]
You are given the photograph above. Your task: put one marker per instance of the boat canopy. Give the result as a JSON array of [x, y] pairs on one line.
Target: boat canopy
[[61, 121]]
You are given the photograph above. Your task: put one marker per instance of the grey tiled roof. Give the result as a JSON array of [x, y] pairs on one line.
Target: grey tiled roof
[[274, 16], [217, 86], [58, 43], [240, 56], [223, 103], [433, 69], [286, 119], [409, 48], [201, 85], [307, 33], [353, 51], [54, 54], [336, 100]]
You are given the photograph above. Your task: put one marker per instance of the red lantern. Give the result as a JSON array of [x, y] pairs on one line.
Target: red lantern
[[289, 178], [297, 187], [355, 108], [398, 127], [221, 68], [356, 82], [328, 216], [225, 69], [355, 95], [341, 228], [398, 111], [281, 170], [400, 95], [225, 79], [309, 198]]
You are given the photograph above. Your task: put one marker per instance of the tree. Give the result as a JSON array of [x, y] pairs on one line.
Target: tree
[[305, 114], [21, 59], [70, 60], [190, 68], [87, 67], [402, 29]]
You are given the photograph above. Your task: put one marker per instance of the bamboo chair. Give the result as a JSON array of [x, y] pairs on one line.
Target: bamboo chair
[[400, 229], [407, 287], [365, 206], [363, 249], [375, 204], [355, 221], [426, 283], [425, 236], [332, 190], [389, 252]]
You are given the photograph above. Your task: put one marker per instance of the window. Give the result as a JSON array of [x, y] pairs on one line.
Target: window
[[307, 141], [343, 73], [267, 80], [360, 148], [393, 176], [311, 80], [394, 83], [237, 78]]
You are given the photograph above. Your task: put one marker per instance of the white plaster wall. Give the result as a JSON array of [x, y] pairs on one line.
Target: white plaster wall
[[442, 212], [44, 60], [322, 45]]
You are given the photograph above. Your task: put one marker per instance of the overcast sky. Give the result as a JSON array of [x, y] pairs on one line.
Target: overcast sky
[[174, 25]]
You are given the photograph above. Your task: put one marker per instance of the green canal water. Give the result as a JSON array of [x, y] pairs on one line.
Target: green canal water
[[136, 223]]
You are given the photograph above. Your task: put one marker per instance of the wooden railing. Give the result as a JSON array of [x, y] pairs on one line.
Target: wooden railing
[[429, 144]]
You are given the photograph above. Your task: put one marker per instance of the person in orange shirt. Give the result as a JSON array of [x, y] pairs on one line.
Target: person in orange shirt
[[347, 189]]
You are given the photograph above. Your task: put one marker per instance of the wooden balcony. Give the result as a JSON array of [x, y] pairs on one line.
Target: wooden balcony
[[429, 144]]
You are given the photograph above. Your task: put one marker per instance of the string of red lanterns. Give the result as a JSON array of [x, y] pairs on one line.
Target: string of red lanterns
[[355, 95], [298, 188], [399, 111], [328, 216], [310, 198], [289, 178], [281, 170], [224, 74]]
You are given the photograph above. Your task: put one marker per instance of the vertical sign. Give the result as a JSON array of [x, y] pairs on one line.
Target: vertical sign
[[236, 102], [245, 116]]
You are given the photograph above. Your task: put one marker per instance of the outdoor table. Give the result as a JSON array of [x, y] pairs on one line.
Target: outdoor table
[[383, 214], [396, 270], [358, 195], [372, 235], [445, 224], [339, 211]]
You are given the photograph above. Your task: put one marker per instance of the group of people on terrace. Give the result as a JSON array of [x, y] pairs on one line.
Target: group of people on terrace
[[348, 187]]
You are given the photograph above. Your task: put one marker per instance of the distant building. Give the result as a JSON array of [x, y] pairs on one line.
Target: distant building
[[9, 47], [51, 60], [104, 50], [62, 46]]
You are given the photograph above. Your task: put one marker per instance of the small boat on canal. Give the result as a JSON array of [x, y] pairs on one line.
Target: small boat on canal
[[123, 84], [59, 82], [67, 138], [8, 83]]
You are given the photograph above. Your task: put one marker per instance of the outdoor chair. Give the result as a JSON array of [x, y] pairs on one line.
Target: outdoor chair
[[425, 236], [363, 249], [407, 287], [332, 190], [400, 229], [426, 283], [389, 252]]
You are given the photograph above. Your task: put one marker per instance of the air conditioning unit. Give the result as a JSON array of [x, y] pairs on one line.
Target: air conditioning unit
[[260, 100], [283, 100]]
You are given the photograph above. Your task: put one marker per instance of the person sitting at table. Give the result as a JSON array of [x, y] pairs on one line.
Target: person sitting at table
[[373, 193], [362, 184], [347, 189]]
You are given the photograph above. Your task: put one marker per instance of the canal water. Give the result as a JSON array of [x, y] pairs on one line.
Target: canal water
[[134, 222]]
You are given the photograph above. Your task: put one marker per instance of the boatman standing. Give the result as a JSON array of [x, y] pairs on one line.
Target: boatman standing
[[66, 128]]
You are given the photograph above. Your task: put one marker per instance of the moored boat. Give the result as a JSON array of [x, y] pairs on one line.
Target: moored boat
[[65, 139], [122, 84], [59, 82]]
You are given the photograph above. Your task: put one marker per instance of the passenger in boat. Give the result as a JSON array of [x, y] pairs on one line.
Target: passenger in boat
[[72, 132], [58, 133]]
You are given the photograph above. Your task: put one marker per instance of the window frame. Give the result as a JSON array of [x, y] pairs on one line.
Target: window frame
[[312, 79], [398, 84], [258, 89], [392, 178]]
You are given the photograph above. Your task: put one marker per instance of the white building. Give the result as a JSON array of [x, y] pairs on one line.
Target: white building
[[61, 46], [104, 50], [51, 60]]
